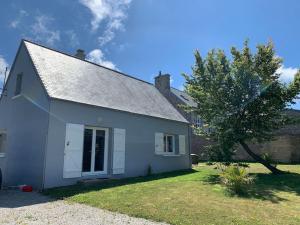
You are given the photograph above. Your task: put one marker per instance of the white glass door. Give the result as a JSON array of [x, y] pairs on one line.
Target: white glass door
[[95, 148]]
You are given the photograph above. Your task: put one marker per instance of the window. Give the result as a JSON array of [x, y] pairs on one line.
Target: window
[[196, 120], [198, 123], [169, 143], [18, 84], [2, 144]]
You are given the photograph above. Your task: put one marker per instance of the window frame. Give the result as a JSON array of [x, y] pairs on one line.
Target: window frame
[[2, 154], [19, 84], [196, 121], [106, 150], [165, 150]]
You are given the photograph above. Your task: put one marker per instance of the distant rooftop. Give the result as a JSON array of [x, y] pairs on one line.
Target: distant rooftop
[[183, 96]]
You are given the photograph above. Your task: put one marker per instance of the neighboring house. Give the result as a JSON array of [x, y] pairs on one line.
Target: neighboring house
[[64, 119], [286, 147], [179, 98]]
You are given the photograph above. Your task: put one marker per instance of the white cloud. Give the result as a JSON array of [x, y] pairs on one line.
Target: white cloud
[[100, 10], [97, 56], [73, 38], [106, 37], [171, 80], [16, 22], [42, 31], [3, 66], [286, 74], [39, 27], [111, 11], [122, 47]]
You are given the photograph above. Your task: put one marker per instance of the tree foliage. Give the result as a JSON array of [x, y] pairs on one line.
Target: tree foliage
[[241, 98]]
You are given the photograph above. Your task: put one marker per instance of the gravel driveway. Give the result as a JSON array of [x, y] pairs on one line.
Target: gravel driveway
[[33, 208]]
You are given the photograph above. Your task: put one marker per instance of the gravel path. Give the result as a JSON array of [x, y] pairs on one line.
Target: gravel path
[[35, 209]]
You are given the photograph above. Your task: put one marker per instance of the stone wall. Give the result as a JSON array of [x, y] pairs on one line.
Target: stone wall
[[285, 149]]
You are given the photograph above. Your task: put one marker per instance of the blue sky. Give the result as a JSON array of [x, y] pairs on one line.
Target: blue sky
[[142, 37]]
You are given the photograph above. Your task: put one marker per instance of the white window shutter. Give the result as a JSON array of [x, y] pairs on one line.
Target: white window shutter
[[119, 151], [182, 145], [73, 150], [159, 143]]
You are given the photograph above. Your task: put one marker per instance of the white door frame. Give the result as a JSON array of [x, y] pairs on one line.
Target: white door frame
[[93, 172]]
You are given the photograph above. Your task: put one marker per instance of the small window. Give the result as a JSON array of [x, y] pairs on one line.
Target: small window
[[18, 84], [2, 144], [196, 120], [169, 143], [198, 123]]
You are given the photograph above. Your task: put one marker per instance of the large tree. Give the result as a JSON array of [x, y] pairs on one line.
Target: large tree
[[240, 99]]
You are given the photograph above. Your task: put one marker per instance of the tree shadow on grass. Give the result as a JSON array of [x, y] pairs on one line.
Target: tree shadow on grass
[[212, 179], [265, 186], [69, 191]]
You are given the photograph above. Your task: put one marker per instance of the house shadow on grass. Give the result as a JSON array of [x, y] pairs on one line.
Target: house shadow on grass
[[266, 186], [69, 191]]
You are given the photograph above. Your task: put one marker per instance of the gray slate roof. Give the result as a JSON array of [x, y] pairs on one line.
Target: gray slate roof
[[188, 100], [68, 78]]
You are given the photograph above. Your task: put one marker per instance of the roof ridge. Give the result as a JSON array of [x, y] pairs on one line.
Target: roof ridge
[[178, 90], [67, 54]]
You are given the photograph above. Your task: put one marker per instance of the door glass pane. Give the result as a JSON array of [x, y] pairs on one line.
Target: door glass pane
[[87, 150], [165, 143], [2, 142], [170, 143], [99, 150]]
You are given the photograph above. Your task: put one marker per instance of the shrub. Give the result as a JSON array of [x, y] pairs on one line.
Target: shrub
[[222, 166], [236, 179]]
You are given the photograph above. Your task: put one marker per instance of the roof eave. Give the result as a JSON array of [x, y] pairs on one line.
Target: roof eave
[[119, 110]]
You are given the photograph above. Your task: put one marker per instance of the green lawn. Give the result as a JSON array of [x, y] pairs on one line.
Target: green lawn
[[196, 197]]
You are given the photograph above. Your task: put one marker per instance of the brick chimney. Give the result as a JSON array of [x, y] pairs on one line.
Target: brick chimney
[[162, 82], [80, 54]]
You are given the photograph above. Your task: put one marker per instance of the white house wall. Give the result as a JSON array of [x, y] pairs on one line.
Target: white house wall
[[26, 121], [139, 143]]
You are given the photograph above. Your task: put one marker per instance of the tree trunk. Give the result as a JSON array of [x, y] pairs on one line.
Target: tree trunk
[[257, 158]]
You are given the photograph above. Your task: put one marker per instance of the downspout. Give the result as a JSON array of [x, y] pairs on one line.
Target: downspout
[[190, 146]]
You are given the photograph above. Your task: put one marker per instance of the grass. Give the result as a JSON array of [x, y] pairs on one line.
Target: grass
[[196, 197]]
